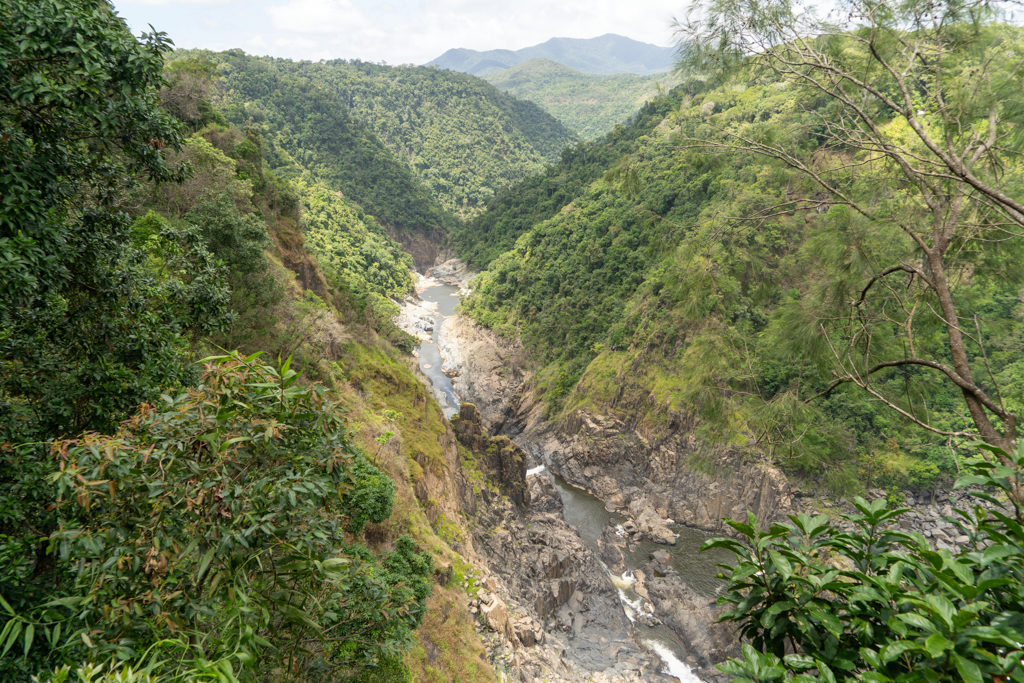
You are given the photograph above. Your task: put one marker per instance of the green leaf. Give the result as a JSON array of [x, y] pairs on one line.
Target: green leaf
[[942, 607], [781, 564], [968, 670], [727, 543], [824, 671], [896, 649], [335, 563], [937, 644], [918, 620], [205, 563], [12, 636], [30, 634], [799, 662]]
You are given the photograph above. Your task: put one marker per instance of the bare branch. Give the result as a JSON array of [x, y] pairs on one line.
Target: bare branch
[[889, 271]]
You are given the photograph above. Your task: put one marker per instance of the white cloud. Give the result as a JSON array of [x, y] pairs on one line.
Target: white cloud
[[318, 16], [206, 3], [396, 31]]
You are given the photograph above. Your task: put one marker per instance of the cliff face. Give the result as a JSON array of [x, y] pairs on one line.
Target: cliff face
[[681, 477], [549, 608], [503, 461]]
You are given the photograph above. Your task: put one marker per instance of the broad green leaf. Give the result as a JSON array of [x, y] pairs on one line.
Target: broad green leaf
[[781, 564], [12, 635], [936, 644], [897, 648], [968, 670], [30, 634]]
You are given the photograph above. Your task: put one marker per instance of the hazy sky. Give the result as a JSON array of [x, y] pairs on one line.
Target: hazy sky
[[395, 31]]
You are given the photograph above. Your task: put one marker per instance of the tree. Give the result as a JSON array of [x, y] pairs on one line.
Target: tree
[[912, 145], [188, 93], [79, 123], [96, 312]]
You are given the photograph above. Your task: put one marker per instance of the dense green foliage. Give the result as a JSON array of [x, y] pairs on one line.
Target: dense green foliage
[[87, 327], [877, 604], [358, 258], [208, 533], [540, 197], [352, 248], [587, 104], [218, 533], [303, 119], [695, 279], [916, 101], [378, 132]]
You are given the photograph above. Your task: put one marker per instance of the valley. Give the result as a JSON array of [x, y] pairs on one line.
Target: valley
[[432, 316], [323, 369]]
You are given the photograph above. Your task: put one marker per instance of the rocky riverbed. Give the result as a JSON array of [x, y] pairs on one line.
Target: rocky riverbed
[[586, 606], [546, 606], [548, 610]]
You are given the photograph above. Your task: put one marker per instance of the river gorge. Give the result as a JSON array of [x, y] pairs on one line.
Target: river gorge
[[650, 567]]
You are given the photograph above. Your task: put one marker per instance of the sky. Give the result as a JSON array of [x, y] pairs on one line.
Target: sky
[[394, 31]]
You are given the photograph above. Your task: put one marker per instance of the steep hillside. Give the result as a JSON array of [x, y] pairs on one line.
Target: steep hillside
[[607, 54], [379, 132], [536, 199], [688, 280], [587, 104], [286, 511]]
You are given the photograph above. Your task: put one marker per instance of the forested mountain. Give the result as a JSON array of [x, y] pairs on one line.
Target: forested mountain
[[217, 460], [536, 199], [587, 104], [169, 510], [674, 269], [406, 143], [607, 54]]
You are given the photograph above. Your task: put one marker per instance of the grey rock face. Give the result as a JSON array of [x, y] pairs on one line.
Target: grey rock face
[[560, 619]]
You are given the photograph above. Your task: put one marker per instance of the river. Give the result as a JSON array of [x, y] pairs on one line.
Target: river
[[446, 298], [588, 516]]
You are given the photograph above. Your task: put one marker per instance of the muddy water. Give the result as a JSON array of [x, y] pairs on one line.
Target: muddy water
[[447, 298]]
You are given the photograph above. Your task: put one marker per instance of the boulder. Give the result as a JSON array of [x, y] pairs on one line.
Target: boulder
[[495, 615], [501, 459], [650, 523]]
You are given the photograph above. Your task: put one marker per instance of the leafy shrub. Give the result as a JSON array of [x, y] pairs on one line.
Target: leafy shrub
[[877, 604], [208, 532]]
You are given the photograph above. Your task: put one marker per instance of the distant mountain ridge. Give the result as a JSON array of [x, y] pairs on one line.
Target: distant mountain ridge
[[588, 104], [607, 54]]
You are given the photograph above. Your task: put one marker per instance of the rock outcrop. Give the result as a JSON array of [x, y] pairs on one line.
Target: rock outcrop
[[692, 616], [558, 617], [502, 461], [681, 477], [548, 608], [649, 523], [489, 370], [677, 476]]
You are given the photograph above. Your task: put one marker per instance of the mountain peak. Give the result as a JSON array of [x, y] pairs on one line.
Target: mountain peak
[[606, 54]]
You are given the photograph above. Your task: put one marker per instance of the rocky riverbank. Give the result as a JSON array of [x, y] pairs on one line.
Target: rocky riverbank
[[548, 610], [656, 479], [546, 607], [674, 476]]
